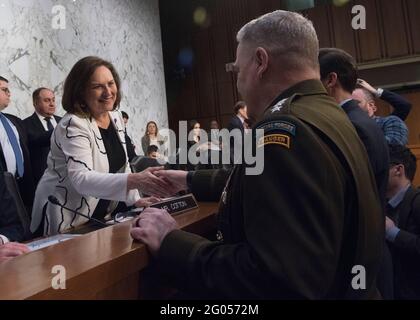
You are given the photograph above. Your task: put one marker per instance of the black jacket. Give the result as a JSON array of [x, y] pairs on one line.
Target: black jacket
[[235, 123], [374, 142], [39, 145], [401, 106], [406, 247], [10, 224], [26, 183], [296, 230]]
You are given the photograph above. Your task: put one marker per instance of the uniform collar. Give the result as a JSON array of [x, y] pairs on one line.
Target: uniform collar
[[306, 88]]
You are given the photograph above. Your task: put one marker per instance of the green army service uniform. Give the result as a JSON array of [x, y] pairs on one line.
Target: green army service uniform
[[298, 230]]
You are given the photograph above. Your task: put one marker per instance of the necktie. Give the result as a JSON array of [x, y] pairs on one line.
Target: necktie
[[49, 124], [14, 143]]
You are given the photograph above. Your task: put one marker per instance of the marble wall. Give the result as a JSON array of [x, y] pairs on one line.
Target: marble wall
[[40, 40]]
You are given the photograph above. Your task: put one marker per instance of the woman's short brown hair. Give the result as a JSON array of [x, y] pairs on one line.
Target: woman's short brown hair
[[76, 84]]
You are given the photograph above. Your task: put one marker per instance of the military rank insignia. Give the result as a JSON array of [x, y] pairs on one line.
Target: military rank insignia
[[280, 139], [278, 106]]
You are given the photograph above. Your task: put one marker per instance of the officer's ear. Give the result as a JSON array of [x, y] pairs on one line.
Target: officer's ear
[[261, 57]]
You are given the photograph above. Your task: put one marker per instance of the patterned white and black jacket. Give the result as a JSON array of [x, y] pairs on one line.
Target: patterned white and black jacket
[[78, 174]]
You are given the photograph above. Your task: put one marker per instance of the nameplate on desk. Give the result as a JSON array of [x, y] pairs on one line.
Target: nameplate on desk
[[177, 205]]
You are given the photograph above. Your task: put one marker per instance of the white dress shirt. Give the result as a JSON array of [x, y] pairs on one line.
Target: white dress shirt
[[8, 153], [44, 122]]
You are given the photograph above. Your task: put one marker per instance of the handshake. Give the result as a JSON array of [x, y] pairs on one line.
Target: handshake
[[157, 183]]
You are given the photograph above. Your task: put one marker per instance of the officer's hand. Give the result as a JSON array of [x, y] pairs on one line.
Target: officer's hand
[[177, 178], [152, 227], [11, 250]]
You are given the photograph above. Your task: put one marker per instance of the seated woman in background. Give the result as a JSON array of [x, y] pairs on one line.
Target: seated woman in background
[[88, 169], [152, 137]]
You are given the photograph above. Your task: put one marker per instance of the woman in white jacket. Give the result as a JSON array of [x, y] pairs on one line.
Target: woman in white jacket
[[88, 169]]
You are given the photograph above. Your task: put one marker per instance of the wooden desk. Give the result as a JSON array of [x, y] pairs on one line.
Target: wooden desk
[[104, 264]]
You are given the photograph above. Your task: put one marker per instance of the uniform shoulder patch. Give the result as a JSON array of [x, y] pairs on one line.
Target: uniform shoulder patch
[[280, 139], [278, 126]]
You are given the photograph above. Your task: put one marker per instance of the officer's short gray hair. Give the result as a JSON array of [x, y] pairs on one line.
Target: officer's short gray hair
[[284, 34]]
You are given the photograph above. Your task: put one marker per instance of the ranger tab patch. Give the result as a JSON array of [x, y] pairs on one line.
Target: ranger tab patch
[[280, 139]]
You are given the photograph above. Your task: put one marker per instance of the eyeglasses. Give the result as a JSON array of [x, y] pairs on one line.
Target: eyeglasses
[[231, 67], [5, 90]]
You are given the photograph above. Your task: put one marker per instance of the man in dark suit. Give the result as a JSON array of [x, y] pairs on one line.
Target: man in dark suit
[[10, 225], [296, 230], [39, 127], [237, 122], [339, 76], [241, 114], [403, 223], [131, 153], [14, 153]]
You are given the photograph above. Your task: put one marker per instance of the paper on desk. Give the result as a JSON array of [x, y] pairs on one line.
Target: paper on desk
[[43, 243]]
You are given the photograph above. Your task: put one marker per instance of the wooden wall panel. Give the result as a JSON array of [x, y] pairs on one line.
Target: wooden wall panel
[[224, 119], [342, 30], [370, 47], [207, 91], [413, 120], [393, 25], [413, 9], [415, 149], [226, 98], [223, 53], [320, 17]]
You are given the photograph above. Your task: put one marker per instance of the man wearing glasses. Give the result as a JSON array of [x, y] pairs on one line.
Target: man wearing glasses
[[14, 154], [297, 230]]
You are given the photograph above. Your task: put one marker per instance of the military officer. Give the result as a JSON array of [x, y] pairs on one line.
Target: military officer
[[299, 229]]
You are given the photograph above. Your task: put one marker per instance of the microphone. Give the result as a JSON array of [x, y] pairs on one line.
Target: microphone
[[55, 201]]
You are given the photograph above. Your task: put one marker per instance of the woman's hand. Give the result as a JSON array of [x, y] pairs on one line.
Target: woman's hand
[[148, 183]]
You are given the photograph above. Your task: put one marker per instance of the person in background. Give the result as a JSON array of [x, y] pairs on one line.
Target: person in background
[[129, 143], [10, 226], [214, 136], [339, 76], [39, 127], [14, 152], [152, 152], [152, 137], [240, 115], [403, 222], [88, 169], [393, 126]]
